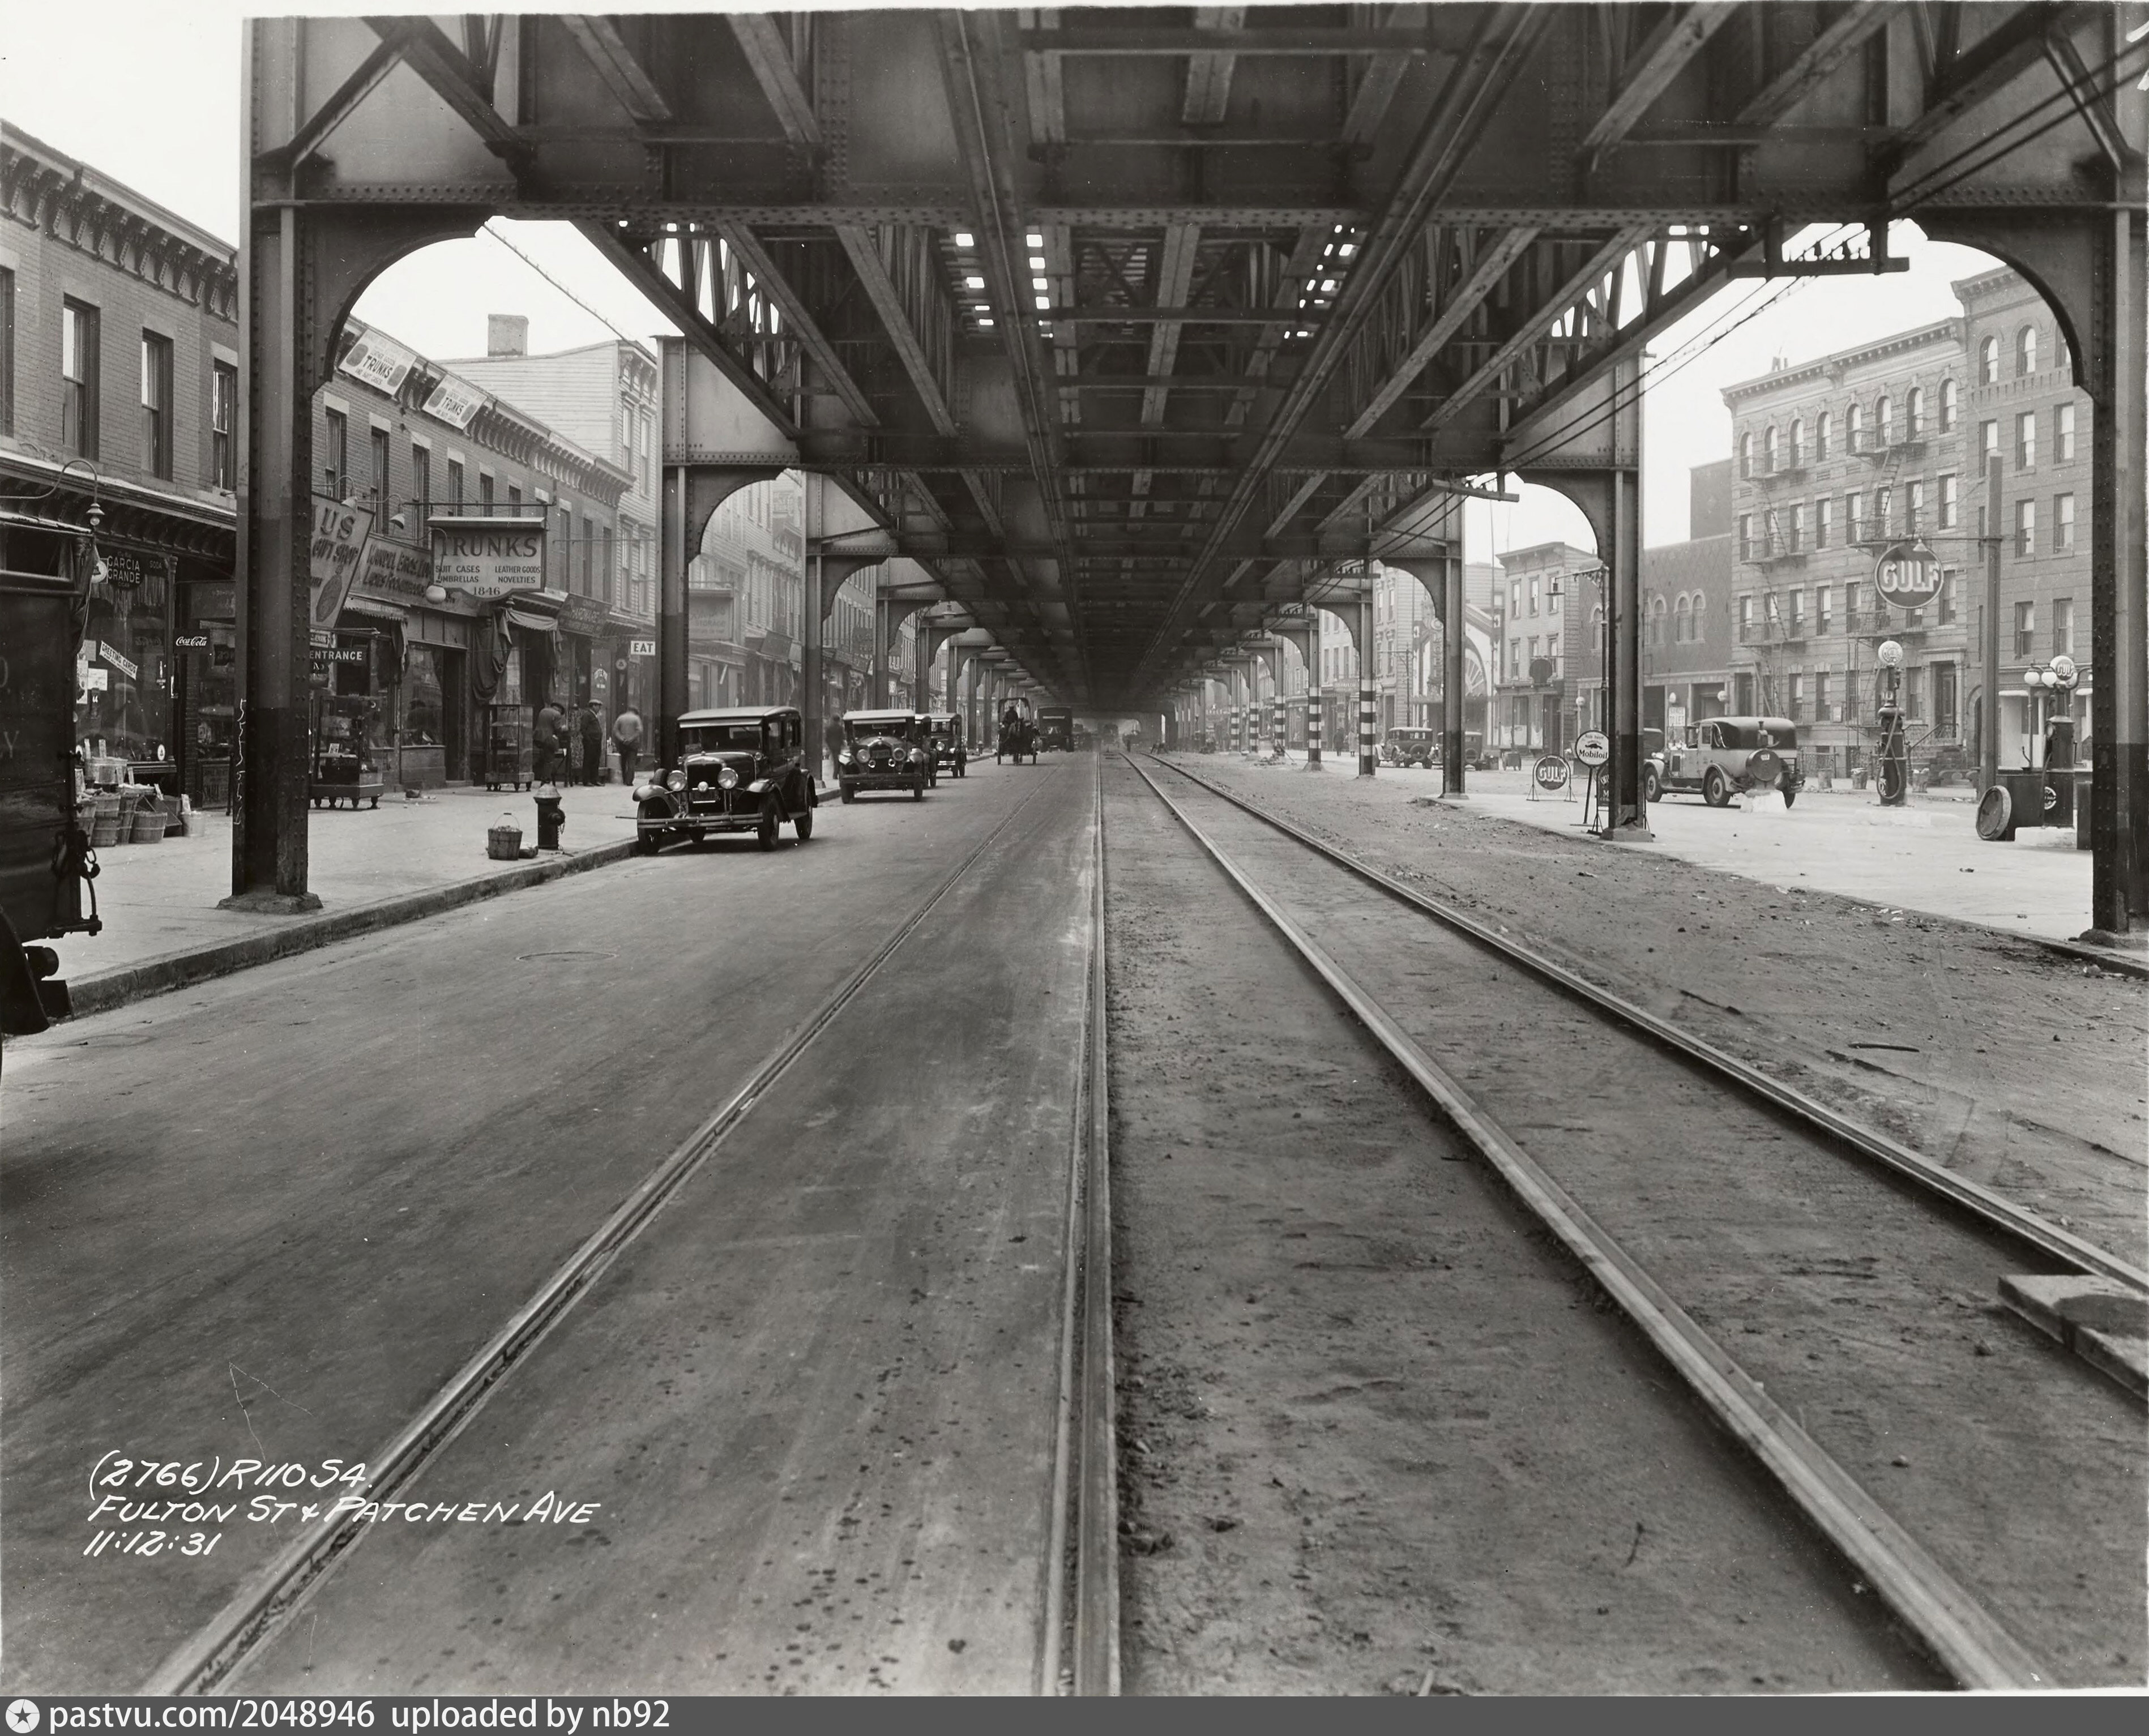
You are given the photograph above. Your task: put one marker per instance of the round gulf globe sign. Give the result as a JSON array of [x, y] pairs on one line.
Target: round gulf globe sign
[[1552, 772], [1907, 577]]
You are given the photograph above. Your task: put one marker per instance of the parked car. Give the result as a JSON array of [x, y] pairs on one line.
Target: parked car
[[943, 734], [740, 769], [884, 750], [1410, 747], [1724, 757]]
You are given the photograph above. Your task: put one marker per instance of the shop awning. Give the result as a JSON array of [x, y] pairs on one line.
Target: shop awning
[[532, 621], [376, 610]]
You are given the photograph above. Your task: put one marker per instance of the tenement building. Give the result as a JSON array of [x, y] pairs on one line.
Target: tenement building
[[119, 412], [419, 679], [1839, 460]]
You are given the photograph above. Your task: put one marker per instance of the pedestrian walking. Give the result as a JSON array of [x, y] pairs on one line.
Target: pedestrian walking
[[593, 734], [548, 743], [626, 737]]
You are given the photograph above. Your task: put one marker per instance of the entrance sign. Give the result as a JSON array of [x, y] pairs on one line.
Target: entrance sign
[[1593, 748], [489, 558], [1907, 577], [1552, 772]]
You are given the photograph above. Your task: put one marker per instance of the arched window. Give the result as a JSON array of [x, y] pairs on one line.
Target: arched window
[[1947, 406], [1914, 413], [2062, 357], [1988, 362], [1657, 613], [2026, 351], [1823, 426], [1884, 422], [1798, 445], [1682, 625], [1745, 454], [1854, 429], [1769, 452]]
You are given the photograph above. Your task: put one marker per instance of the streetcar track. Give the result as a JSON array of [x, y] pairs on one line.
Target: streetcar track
[[265, 1606], [1990, 1207], [1966, 1638]]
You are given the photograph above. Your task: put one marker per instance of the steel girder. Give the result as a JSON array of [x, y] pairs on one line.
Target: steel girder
[[1259, 295]]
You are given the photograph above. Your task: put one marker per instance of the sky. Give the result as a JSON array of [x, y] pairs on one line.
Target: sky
[[149, 93]]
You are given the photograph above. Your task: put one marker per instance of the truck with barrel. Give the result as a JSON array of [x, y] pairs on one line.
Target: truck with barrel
[[46, 866]]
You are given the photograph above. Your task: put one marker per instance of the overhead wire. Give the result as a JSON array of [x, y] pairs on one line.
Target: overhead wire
[[488, 229]]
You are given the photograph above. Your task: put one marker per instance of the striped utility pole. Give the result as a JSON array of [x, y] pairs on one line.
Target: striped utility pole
[[1316, 709], [1367, 758]]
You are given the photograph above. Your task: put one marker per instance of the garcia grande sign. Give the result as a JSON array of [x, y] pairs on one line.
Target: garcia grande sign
[[489, 558]]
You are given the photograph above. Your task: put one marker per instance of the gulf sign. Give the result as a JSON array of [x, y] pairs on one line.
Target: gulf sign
[[1907, 577], [489, 558]]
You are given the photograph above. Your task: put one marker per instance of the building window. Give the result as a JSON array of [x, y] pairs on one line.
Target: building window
[[1798, 614], [1798, 695], [1534, 583], [1854, 517], [1947, 503], [1514, 599], [378, 443], [1854, 429], [156, 404], [1988, 362], [2025, 527], [6, 350], [1948, 597], [1914, 413], [1914, 508], [1821, 714], [1683, 621], [1824, 516], [1824, 425], [1746, 455], [1514, 659], [224, 425], [1947, 406], [1797, 530], [1745, 619], [455, 481], [1944, 699], [2063, 523], [610, 589], [2063, 434], [421, 480], [337, 458], [589, 549], [2063, 627], [1884, 507], [485, 491], [2025, 441], [1798, 443], [1769, 451], [1914, 692], [79, 378], [2026, 630], [1988, 440], [565, 544], [1746, 536], [2026, 351], [1884, 422]]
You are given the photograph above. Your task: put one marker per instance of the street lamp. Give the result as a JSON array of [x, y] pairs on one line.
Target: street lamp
[[2052, 685], [1894, 775]]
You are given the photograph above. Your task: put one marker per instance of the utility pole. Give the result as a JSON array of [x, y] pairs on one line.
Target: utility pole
[[1988, 732]]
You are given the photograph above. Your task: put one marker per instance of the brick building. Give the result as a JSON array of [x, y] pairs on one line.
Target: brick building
[[1840, 459], [118, 390], [429, 684]]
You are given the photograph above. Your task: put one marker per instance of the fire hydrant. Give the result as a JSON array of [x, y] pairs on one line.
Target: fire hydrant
[[549, 818]]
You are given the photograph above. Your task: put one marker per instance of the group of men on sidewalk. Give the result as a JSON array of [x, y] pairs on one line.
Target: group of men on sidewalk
[[569, 747]]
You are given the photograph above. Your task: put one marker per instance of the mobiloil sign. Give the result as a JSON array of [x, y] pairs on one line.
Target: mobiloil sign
[[488, 558]]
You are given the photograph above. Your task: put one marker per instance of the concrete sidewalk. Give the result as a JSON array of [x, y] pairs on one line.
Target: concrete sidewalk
[[1926, 856], [371, 868]]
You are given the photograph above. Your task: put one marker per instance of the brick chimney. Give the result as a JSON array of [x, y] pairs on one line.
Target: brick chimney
[[506, 334]]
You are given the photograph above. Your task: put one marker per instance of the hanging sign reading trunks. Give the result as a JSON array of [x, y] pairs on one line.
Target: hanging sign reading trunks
[[489, 558]]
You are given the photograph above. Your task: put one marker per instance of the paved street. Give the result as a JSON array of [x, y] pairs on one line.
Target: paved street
[[268, 1216]]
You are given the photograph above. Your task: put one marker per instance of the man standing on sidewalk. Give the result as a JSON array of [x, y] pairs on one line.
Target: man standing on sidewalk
[[593, 738], [626, 737], [549, 742]]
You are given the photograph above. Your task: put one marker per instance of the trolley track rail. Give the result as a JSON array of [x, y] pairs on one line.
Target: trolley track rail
[[1972, 1643], [1991, 1208], [265, 1605]]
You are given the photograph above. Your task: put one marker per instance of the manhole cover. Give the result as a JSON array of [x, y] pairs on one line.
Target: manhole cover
[[570, 953]]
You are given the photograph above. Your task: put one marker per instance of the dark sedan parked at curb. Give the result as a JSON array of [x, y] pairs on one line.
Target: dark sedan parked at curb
[[1725, 757], [884, 750], [739, 770]]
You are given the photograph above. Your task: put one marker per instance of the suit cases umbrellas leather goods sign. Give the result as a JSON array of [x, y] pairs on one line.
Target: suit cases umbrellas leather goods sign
[[489, 558]]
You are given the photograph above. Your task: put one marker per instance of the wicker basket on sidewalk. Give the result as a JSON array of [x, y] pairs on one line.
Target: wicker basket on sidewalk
[[504, 843], [103, 820], [149, 822]]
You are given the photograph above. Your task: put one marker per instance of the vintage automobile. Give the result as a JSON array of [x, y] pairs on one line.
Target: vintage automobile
[[1410, 747], [884, 750], [742, 769], [1725, 757], [943, 732], [1055, 728]]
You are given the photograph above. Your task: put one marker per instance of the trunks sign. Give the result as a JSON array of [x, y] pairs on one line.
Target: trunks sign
[[490, 558]]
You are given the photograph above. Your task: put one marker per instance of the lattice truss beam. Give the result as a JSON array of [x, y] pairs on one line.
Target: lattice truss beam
[[1130, 325]]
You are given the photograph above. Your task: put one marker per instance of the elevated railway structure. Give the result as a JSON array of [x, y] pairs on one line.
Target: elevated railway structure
[[1130, 332]]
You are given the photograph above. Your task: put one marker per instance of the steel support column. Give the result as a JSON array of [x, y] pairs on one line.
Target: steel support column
[[1368, 758]]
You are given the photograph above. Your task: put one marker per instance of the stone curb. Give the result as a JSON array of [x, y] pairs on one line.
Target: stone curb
[[114, 989]]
